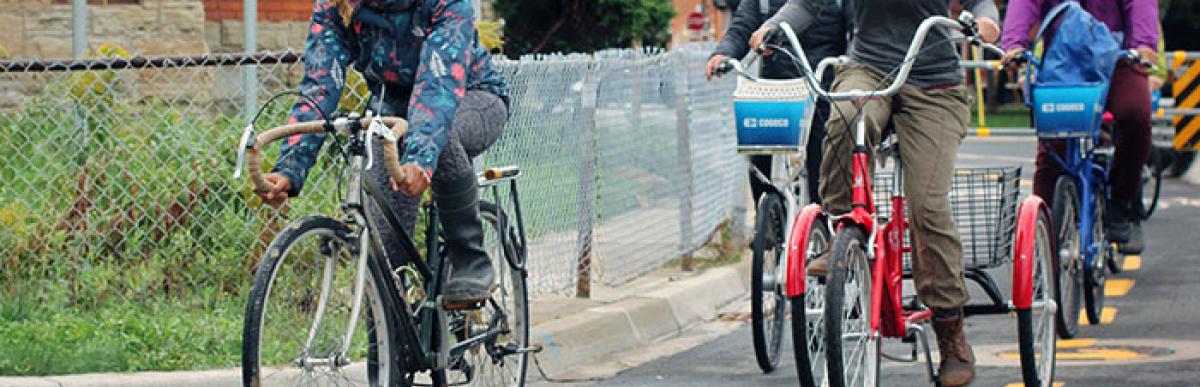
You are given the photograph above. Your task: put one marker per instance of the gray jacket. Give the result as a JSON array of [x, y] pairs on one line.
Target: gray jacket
[[827, 36]]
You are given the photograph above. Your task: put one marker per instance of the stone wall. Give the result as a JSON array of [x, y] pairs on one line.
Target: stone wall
[[42, 28]]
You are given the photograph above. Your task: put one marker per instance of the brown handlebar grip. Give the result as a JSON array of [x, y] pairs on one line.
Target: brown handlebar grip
[[391, 152], [254, 167], [501, 172]]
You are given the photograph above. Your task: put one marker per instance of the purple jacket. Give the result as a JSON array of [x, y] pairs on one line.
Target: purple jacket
[[1138, 19]]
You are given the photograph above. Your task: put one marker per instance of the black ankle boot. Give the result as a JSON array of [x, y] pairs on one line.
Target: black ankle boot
[[472, 278], [1116, 221]]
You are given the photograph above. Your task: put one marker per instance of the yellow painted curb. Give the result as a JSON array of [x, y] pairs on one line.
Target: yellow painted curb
[[1019, 384], [1132, 263], [1118, 287], [1106, 316]]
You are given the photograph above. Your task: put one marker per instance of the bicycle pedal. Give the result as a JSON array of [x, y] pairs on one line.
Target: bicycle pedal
[[459, 306]]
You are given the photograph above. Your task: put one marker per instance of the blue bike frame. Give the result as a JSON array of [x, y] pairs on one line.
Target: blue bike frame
[[1077, 161]]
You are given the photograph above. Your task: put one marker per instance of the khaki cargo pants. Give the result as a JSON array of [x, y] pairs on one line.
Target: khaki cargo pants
[[930, 125]]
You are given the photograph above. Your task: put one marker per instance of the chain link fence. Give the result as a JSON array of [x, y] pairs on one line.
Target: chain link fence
[[123, 166]]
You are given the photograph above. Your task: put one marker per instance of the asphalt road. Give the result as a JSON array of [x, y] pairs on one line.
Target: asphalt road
[[1151, 340]]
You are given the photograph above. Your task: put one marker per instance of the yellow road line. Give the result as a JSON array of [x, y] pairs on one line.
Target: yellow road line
[[1117, 287], [1106, 316], [1132, 263], [1076, 343], [1019, 384]]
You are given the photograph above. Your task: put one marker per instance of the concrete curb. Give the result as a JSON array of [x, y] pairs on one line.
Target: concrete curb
[[635, 322], [208, 378], [569, 342]]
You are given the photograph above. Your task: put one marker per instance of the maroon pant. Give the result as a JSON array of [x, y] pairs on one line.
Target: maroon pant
[[1129, 103]]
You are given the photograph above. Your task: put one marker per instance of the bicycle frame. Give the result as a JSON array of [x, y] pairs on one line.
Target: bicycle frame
[[423, 336], [1078, 163]]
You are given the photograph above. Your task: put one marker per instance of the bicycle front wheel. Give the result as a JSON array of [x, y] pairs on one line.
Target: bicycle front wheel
[[851, 349], [1064, 211], [808, 325], [502, 358], [1035, 325], [768, 306], [298, 316]]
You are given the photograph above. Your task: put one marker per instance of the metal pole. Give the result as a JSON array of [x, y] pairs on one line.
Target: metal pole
[[586, 238], [79, 28], [249, 72], [684, 158]]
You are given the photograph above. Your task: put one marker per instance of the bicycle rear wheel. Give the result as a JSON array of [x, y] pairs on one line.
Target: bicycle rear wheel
[[1035, 325], [768, 306], [299, 312], [503, 359], [808, 324], [1065, 218], [1095, 275], [852, 351]]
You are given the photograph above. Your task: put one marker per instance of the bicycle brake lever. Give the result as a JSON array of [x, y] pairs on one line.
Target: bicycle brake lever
[[248, 140], [377, 128]]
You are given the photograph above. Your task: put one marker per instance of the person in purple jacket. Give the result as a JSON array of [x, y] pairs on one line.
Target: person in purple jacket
[[1128, 101]]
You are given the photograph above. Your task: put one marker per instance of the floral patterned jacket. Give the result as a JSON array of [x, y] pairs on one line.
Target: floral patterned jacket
[[424, 55]]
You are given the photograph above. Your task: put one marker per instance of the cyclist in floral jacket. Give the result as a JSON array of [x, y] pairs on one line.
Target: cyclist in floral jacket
[[421, 60]]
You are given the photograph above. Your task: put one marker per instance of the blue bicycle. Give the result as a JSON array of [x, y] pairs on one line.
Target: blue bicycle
[[1071, 117]]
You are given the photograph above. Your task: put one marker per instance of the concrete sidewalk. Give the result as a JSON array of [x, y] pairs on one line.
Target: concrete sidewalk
[[573, 332]]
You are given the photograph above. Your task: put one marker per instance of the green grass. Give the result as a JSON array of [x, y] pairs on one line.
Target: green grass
[[124, 243], [1005, 116], [120, 337]]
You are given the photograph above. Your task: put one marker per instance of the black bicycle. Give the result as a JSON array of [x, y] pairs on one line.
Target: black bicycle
[[329, 308]]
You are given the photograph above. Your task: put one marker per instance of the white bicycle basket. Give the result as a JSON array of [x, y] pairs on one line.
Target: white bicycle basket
[[772, 115]]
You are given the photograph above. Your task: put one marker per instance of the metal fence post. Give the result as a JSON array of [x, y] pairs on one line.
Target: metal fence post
[[79, 28], [250, 72], [587, 185], [684, 152]]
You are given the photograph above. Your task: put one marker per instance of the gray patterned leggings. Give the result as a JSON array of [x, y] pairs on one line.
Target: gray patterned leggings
[[478, 122]]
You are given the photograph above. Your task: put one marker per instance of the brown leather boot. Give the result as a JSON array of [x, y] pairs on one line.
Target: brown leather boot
[[958, 361], [818, 267]]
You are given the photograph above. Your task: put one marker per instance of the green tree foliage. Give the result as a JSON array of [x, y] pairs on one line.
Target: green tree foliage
[[533, 26], [1181, 23]]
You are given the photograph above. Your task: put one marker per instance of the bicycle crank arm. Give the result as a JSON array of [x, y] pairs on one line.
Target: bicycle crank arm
[[457, 350]]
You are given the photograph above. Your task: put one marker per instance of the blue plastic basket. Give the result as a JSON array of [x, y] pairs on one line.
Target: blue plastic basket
[[772, 115], [1066, 111]]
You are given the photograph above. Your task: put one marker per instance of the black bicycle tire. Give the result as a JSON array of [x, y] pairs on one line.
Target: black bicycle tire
[[500, 217], [1156, 173], [1066, 193], [834, 295], [265, 272], [800, 321], [766, 353], [1093, 279], [1025, 334]]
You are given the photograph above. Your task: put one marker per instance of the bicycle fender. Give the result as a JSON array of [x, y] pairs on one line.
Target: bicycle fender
[[1024, 250], [796, 248]]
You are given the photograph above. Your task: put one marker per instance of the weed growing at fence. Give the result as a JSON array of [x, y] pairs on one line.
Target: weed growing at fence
[[130, 244]]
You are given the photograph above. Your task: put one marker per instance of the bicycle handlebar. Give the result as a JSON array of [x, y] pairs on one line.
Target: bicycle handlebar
[[390, 129], [965, 23]]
